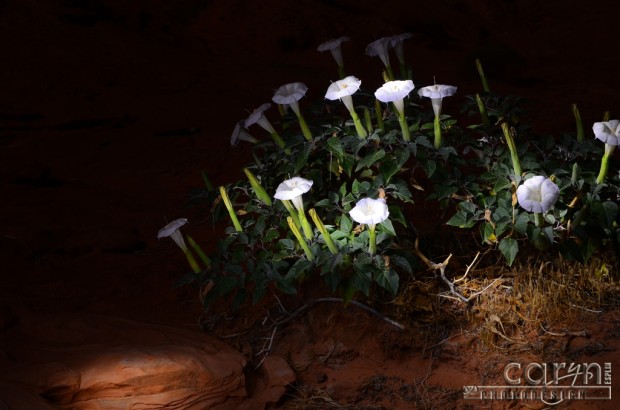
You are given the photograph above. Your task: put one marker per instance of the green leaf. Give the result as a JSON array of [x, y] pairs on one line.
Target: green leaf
[[345, 224], [401, 262], [429, 168], [370, 159], [387, 227], [388, 168], [509, 248], [387, 279], [335, 146]]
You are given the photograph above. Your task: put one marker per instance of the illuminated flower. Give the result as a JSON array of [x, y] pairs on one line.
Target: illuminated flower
[[380, 48], [292, 190], [436, 93], [397, 43], [538, 194], [395, 92], [370, 211], [343, 90], [290, 94], [607, 131], [240, 134], [334, 47]]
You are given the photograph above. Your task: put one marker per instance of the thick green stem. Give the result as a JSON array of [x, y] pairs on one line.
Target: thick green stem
[[291, 210], [259, 191], [341, 72], [437, 128], [483, 112], [300, 239], [513, 149], [203, 257], [390, 74], [361, 132], [578, 123], [367, 119], [404, 127], [604, 164], [538, 220], [279, 142], [231, 211], [483, 78], [305, 225], [372, 241], [379, 114], [192, 261], [304, 127], [326, 236]]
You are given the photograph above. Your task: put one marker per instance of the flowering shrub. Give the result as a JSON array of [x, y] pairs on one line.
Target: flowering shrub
[[355, 180]]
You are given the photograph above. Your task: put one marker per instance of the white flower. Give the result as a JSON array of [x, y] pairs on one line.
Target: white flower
[[344, 89], [292, 189], [395, 92], [538, 194], [334, 47], [290, 94], [436, 93], [257, 117], [607, 131], [172, 230], [370, 211], [380, 48], [397, 43], [240, 134]]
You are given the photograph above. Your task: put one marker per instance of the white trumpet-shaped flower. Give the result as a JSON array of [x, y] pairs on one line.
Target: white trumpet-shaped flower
[[172, 230], [380, 48], [436, 93], [240, 134], [343, 90], [370, 211], [395, 92], [257, 117], [290, 94], [538, 194], [292, 190], [334, 47], [607, 131], [397, 42]]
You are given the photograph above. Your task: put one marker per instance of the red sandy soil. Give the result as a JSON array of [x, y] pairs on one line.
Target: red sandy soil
[[110, 109]]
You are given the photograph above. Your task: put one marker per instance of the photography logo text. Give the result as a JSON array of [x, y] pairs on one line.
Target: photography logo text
[[550, 383]]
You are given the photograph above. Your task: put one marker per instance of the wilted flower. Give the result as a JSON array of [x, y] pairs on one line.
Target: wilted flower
[[436, 93], [370, 211], [397, 42], [240, 134], [538, 194], [334, 47], [607, 131], [395, 92]]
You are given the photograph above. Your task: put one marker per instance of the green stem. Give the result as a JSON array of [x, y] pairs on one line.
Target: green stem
[[379, 114], [372, 241], [326, 236], [390, 74], [305, 225], [538, 220], [367, 119], [192, 261], [483, 112], [483, 78], [300, 239], [513, 150], [231, 211], [279, 142], [437, 128], [203, 257], [404, 127], [291, 210], [361, 132], [604, 164], [304, 127], [341, 72], [578, 123]]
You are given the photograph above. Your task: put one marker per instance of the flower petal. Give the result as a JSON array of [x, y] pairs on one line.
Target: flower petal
[[171, 228], [292, 188], [370, 211], [344, 87], [607, 131], [538, 194], [394, 90], [437, 91], [290, 93]]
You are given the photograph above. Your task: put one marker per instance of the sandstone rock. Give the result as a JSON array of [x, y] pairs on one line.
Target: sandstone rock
[[96, 363]]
